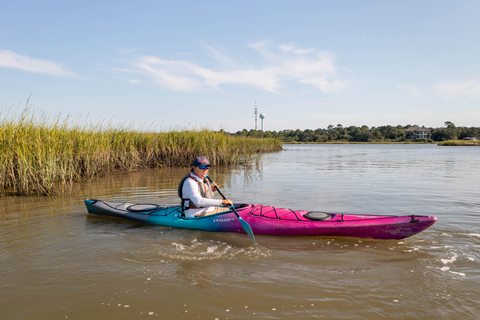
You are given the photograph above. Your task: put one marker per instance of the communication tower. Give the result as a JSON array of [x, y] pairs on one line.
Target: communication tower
[[255, 115]]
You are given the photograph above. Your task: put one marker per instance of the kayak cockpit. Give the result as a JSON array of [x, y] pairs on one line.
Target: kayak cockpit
[[236, 206], [318, 215]]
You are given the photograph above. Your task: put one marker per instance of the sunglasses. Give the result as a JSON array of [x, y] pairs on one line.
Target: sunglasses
[[204, 167]]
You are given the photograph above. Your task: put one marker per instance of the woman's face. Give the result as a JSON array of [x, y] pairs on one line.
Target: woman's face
[[201, 173]]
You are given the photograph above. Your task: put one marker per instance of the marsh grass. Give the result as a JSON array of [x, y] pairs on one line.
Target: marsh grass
[[43, 154], [459, 143]]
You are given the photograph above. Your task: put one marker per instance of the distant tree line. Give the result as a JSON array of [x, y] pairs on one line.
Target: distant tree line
[[361, 134], [451, 132]]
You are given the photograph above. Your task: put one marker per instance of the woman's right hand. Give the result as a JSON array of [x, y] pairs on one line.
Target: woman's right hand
[[227, 202]]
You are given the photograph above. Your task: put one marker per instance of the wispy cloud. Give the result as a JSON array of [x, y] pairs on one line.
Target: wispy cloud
[[460, 90], [10, 59], [410, 90], [127, 51], [290, 47], [278, 65], [220, 55]]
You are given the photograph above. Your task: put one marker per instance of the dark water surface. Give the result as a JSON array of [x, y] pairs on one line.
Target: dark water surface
[[57, 262]]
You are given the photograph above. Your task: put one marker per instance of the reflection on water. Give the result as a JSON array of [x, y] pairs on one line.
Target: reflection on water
[[58, 262]]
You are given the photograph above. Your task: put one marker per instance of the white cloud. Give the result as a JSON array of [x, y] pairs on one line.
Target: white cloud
[[280, 65], [10, 59], [171, 74], [460, 90]]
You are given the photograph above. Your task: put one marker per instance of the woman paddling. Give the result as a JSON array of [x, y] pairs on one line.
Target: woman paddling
[[196, 192]]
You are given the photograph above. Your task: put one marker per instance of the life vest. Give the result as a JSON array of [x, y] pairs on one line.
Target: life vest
[[207, 193]]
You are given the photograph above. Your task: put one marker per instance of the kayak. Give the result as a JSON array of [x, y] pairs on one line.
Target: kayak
[[269, 220]]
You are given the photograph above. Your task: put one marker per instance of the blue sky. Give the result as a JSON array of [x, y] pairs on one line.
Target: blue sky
[[195, 64]]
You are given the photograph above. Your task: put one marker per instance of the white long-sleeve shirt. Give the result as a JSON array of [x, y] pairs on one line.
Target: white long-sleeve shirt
[[190, 191]]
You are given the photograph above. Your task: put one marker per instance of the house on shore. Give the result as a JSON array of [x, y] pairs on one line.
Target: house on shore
[[418, 133]]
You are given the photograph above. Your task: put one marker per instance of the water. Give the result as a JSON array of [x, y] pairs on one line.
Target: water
[[57, 262]]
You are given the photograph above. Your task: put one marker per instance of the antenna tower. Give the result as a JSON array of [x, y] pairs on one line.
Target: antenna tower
[[255, 115]]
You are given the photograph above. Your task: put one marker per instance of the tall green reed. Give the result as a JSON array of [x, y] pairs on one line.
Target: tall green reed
[[45, 154]]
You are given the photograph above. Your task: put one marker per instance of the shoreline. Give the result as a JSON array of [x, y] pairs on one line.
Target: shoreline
[[459, 143], [358, 142]]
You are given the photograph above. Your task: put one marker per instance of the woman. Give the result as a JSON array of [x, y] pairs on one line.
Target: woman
[[197, 193]]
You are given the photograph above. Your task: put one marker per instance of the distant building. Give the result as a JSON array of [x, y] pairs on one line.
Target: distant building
[[470, 138], [417, 133]]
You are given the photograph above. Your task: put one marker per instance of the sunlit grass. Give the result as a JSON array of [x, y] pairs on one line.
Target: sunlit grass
[[44, 154], [459, 143]]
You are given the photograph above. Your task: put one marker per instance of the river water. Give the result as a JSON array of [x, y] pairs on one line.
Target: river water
[[58, 262]]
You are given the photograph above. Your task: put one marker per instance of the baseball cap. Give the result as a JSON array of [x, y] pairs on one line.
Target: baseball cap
[[200, 161]]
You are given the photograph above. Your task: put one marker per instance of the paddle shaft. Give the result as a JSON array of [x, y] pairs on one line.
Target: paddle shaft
[[244, 223], [220, 192]]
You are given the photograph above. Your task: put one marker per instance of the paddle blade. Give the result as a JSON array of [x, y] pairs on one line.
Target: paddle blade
[[247, 229]]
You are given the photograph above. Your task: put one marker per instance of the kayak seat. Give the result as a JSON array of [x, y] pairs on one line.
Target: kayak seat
[[317, 215]]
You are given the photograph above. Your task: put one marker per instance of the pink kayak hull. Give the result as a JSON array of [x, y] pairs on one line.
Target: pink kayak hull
[[280, 221]]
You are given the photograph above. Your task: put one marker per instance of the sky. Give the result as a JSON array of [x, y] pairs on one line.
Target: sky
[[163, 65]]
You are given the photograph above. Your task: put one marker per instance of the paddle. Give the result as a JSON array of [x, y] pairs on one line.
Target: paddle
[[244, 223]]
